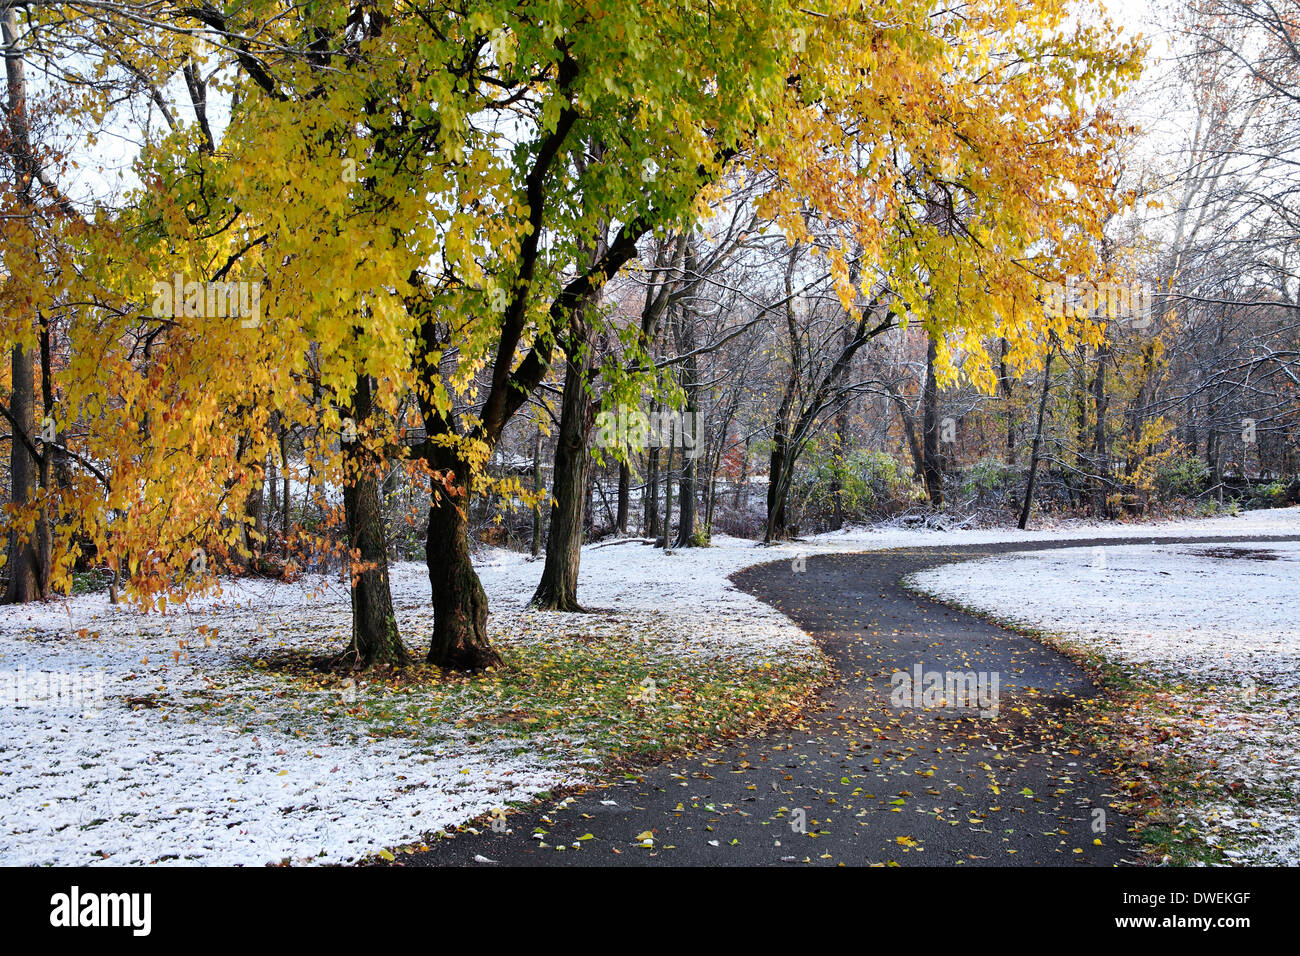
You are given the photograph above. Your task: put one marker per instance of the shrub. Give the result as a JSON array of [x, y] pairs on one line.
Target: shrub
[[991, 482], [1181, 476], [863, 482], [1271, 495]]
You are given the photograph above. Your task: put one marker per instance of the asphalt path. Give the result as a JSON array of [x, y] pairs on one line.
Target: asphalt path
[[860, 780]]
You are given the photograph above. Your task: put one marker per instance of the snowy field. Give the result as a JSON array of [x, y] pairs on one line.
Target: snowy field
[[149, 774], [1215, 624], [1218, 612]]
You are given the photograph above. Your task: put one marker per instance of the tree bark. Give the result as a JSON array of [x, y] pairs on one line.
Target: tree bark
[[558, 588], [776, 482], [460, 608], [536, 547], [273, 487], [288, 501], [775, 527], [25, 574], [1100, 450], [651, 493], [375, 639], [691, 445], [624, 497], [668, 499], [686, 494], [930, 429], [571, 484], [28, 573], [1036, 448]]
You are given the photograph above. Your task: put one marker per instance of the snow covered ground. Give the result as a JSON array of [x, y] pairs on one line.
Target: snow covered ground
[[94, 778], [1220, 612], [87, 778], [1216, 624]]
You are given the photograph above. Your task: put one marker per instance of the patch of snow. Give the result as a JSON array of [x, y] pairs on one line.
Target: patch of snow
[[1213, 612]]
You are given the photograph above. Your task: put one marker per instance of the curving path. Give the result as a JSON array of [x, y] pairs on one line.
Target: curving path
[[876, 785]]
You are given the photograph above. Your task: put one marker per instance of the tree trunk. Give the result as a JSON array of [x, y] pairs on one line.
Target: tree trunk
[[775, 527], [460, 607], [375, 639], [668, 499], [908, 420], [284, 465], [692, 446], [1004, 383], [588, 503], [273, 486], [573, 478], [1100, 450], [257, 512], [50, 455], [558, 588], [776, 484], [536, 547], [29, 550], [651, 493], [930, 429], [249, 515], [742, 482], [1036, 448], [25, 574], [624, 497], [686, 494]]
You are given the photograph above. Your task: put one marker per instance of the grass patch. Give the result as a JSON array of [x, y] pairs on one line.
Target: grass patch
[[607, 700]]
